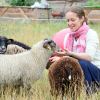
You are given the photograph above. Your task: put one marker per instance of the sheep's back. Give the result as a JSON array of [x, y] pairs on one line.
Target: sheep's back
[[66, 75], [14, 49]]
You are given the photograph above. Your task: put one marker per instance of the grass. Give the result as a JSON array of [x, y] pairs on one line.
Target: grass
[[30, 33]]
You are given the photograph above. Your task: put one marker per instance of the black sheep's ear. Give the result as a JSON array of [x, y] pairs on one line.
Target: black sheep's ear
[[46, 39], [9, 41]]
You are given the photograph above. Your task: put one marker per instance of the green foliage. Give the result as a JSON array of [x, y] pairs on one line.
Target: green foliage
[[22, 2], [93, 2], [17, 2]]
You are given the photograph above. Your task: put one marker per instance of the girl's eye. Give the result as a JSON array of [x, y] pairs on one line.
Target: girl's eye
[[72, 20], [67, 20]]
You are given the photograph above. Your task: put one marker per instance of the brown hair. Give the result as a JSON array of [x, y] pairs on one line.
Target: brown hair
[[79, 11]]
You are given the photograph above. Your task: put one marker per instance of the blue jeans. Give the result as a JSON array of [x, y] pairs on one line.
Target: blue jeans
[[91, 72]]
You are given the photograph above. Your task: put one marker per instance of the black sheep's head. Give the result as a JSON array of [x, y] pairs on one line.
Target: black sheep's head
[[4, 43]]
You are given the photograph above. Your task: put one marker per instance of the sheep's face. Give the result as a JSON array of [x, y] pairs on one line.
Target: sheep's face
[[4, 43], [49, 44]]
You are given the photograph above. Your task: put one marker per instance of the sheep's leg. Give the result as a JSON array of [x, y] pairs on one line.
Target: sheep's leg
[[27, 89], [27, 86]]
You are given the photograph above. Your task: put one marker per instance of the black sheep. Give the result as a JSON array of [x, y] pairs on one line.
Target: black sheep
[[5, 43]]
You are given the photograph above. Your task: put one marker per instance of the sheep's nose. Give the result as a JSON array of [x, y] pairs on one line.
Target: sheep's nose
[[53, 44], [2, 49]]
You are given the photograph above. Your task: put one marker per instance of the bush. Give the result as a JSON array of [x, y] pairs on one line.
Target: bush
[[22, 2]]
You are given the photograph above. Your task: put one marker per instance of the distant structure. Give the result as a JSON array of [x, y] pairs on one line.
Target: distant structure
[[42, 4], [71, 2], [59, 7], [36, 5]]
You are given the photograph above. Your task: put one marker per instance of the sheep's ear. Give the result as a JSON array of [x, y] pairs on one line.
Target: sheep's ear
[[48, 64], [48, 47], [45, 39], [10, 41]]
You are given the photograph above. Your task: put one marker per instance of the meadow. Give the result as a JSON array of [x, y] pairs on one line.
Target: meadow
[[30, 33]]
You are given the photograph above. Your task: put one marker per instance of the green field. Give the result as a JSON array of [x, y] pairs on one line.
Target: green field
[[30, 33]]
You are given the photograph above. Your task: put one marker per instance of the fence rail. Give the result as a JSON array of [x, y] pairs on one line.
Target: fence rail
[[24, 12], [93, 13]]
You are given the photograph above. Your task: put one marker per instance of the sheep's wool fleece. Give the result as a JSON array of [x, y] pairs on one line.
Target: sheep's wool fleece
[[27, 66], [14, 49]]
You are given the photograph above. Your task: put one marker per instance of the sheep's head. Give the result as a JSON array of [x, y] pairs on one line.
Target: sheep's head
[[45, 47], [46, 44], [4, 43], [49, 44]]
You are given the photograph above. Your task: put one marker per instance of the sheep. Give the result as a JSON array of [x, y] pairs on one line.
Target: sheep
[[25, 68], [14, 49], [66, 78], [11, 46]]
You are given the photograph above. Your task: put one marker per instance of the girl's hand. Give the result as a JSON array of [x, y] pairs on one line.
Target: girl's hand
[[62, 53], [53, 59], [67, 52]]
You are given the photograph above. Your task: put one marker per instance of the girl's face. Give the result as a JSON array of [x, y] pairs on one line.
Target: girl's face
[[74, 22]]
